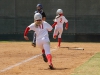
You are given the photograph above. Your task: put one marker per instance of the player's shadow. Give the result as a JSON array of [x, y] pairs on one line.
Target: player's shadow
[[64, 47], [69, 47], [55, 69], [60, 68], [73, 48]]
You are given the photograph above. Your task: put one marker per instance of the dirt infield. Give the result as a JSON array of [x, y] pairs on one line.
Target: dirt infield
[[18, 58]]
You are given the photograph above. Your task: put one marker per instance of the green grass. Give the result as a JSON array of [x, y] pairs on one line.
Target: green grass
[[4, 41], [91, 67], [13, 41]]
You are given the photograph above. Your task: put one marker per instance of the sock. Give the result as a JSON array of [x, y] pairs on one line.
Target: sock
[[49, 57], [43, 51], [59, 41]]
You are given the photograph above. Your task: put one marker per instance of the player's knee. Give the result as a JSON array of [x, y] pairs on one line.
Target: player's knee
[[59, 36]]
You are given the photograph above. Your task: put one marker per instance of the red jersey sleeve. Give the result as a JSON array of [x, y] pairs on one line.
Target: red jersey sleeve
[[67, 25], [54, 24], [26, 31]]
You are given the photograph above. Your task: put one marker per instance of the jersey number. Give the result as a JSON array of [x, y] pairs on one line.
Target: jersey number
[[60, 20]]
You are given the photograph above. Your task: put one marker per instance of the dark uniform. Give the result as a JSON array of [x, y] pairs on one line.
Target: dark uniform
[[41, 12]]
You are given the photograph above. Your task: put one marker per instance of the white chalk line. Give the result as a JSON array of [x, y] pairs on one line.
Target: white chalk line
[[24, 61]]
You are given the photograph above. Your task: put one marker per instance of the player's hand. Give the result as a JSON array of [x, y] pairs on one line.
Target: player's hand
[[54, 37], [66, 28], [26, 38]]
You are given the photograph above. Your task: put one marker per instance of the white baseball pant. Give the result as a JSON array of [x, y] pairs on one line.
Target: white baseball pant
[[44, 43]]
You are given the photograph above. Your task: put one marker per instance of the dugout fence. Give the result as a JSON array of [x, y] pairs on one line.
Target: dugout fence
[[83, 17]]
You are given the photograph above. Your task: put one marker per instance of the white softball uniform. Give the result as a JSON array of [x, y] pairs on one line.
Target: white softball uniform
[[59, 27], [42, 37]]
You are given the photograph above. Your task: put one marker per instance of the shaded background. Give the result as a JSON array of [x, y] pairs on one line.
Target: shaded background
[[83, 17]]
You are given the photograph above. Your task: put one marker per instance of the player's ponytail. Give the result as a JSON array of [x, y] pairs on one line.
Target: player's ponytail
[[56, 17]]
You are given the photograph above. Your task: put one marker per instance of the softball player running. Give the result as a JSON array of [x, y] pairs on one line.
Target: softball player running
[[39, 10], [42, 39], [58, 24]]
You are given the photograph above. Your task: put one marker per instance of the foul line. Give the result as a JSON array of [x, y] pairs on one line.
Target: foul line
[[24, 61]]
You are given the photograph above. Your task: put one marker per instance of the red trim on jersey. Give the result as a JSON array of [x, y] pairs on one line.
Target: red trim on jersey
[[54, 24], [67, 25], [42, 26], [26, 31]]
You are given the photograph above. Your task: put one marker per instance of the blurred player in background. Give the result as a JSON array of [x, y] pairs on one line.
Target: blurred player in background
[[39, 10], [41, 29], [58, 24]]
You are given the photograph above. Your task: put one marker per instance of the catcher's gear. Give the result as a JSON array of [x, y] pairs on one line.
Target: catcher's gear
[[39, 5], [34, 40]]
